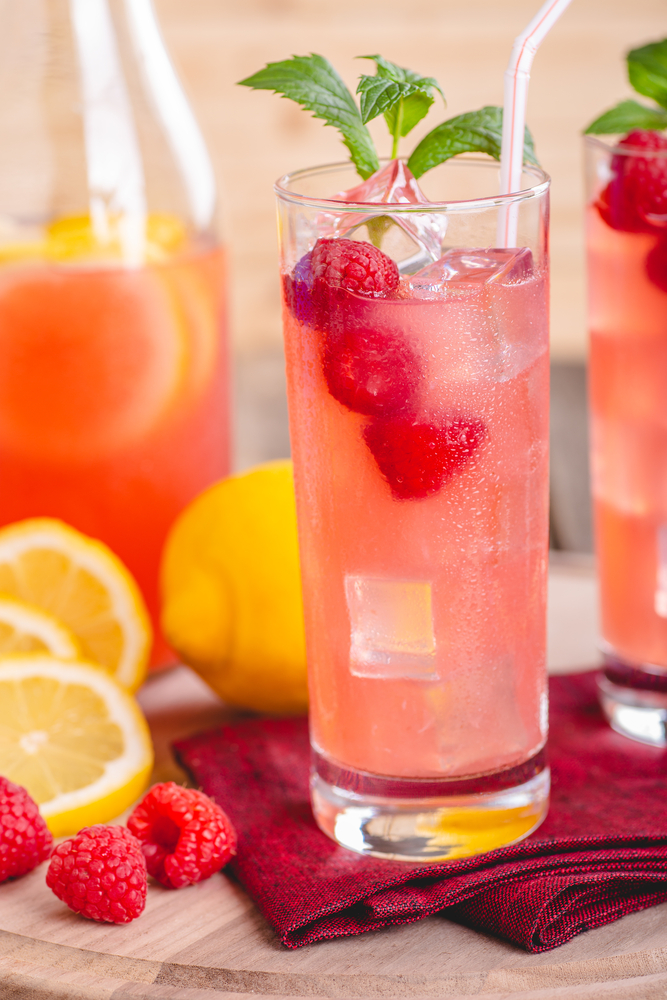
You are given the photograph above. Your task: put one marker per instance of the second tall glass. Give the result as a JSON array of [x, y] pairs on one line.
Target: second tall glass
[[419, 423], [627, 280]]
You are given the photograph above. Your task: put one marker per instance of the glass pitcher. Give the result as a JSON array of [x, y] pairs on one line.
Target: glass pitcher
[[113, 364]]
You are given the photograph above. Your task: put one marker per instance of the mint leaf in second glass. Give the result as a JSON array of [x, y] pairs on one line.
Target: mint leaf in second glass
[[647, 70], [625, 117]]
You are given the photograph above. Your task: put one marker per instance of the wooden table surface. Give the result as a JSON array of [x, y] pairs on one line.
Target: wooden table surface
[[209, 941]]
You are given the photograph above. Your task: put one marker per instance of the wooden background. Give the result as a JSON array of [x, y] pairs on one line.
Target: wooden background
[[465, 44]]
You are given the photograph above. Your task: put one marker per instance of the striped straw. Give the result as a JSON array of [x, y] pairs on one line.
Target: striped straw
[[517, 76]]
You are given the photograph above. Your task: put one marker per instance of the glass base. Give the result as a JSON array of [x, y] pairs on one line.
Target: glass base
[[422, 820], [633, 699]]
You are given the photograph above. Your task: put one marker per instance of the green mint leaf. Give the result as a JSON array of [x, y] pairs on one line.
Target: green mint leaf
[[415, 107], [404, 97], [626, 116], [473, 132], [313, 83], [647, 70], [399, 74], [378, 94]]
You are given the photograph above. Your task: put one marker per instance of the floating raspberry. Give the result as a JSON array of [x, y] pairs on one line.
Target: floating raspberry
[[375, 372], [354, 266], [636, 197], [25, 840], [297, 290], [417, 458], [184, 835], [101, 874]]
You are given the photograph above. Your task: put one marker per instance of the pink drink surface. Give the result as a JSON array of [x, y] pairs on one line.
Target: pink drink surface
[[628, 373], [425, 616]]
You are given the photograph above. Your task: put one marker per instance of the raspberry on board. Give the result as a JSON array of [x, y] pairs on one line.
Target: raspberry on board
[[184, 835], [25, 840], [635, 200], [354, 266], [417, 457], [371, 371], [101, 874]]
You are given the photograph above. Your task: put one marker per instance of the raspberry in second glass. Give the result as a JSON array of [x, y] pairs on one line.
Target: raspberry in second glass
[[636, 197]]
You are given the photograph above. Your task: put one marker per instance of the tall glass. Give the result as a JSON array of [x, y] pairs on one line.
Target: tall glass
[[113, 365], [418, 423], [627, 280]]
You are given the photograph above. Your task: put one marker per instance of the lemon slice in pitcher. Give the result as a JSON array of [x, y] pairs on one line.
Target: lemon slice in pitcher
[[73, 738], [80, 581], [27, 629]]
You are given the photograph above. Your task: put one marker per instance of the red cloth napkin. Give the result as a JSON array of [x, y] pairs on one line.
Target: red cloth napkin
[[601, 853]]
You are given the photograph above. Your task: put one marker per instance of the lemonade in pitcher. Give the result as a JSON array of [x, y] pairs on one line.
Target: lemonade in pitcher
[[113, 368], [113, 401]]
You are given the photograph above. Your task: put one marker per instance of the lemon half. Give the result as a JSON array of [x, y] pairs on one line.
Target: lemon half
[[231, 586], [73, 738], [79, 580]]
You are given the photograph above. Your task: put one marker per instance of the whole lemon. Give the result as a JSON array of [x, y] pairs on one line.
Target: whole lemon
[[231, 589]]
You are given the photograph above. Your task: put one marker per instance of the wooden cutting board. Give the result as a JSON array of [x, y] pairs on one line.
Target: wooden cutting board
[[209, 941]]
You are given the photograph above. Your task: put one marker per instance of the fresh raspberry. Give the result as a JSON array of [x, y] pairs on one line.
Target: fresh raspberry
[[101, 874], [371, 371], [25, 840], [637, 192], [184, 835], [353, 266], [417, 458]]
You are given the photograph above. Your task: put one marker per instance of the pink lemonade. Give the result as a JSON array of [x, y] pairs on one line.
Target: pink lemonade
[[417, 376], [425, 590], [113, 397], [628, 382]]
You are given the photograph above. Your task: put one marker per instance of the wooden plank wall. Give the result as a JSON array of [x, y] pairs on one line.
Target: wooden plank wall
[[465, 44]]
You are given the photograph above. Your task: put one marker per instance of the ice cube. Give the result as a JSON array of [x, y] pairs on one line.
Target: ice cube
[[391, 185], [391, 628], [471, 267]]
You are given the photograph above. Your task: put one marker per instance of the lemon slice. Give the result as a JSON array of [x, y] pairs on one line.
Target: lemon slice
[[73, 238], [27, 629], [79, 580], [73, 737]]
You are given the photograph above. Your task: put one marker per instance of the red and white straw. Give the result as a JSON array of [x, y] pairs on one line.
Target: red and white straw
[[517, 76]]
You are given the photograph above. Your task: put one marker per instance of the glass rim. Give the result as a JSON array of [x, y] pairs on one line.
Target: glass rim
[[597, 142], [543, 182]]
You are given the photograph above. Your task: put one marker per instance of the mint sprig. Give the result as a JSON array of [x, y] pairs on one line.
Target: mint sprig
[[476, 131], [313, 83], [647, 72], [402, 96]]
